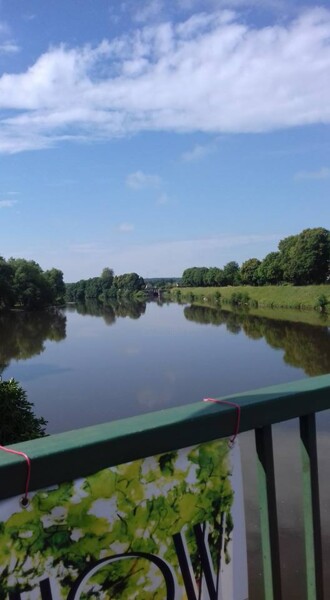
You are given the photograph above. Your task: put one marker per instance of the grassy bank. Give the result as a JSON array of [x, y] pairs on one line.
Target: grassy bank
[[286, 296]]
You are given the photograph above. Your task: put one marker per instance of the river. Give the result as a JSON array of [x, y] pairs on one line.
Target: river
[[85, 365], [88, 365]]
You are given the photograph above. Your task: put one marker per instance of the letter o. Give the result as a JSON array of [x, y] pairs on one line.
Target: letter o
[[163, 566]]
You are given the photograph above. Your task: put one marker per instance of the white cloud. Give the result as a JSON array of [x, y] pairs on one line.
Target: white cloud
[[7, 203], [323, 173], [126, 227], [211, 73], [140, 180]]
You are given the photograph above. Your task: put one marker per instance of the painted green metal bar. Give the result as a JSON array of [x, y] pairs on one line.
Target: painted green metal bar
[[311, 503], [268, 514], [79, 453]]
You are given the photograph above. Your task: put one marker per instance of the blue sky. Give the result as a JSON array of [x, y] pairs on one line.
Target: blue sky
[[157, 135]]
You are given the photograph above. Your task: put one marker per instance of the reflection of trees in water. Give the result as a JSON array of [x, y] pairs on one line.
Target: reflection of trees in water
[[305, 346], [22, 334], [109, 312], [213, 316]]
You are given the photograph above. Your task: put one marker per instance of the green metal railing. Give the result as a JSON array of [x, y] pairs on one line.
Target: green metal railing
[[79, 453]]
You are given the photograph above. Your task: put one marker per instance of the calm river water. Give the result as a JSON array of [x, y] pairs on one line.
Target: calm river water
[[87, 365]]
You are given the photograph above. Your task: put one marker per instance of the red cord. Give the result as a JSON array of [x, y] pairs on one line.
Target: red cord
[[28, 475], [238, 419]]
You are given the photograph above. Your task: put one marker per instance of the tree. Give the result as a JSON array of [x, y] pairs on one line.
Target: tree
[[54, 278], [195, 277], [18, 422], [249, 271], [6, 284], [128, 283], [187, 277], [215, 277], [305, 258], [107, 276], [93, 287], [270, 270], [31, 289], [231, 273]]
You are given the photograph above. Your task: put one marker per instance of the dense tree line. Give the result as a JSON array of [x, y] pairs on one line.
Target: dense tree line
[[301, 259], [23, 284], [105, 288]]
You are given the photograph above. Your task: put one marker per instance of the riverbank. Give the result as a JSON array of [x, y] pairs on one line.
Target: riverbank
[[268, 296], [307, 317]]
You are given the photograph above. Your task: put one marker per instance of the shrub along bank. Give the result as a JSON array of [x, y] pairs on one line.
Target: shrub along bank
[[306, 297]]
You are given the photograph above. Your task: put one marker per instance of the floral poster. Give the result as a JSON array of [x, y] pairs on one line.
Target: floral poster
[[167, 527]]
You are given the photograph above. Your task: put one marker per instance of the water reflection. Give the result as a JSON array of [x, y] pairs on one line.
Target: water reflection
[[110, 312], [22, 334], [305, 346]]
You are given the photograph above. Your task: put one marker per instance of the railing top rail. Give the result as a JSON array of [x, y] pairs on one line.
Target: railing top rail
[[78, 453]]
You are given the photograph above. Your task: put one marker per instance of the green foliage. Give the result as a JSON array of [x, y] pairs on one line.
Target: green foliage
[[54, 277], [239, 298], [302, 259], [250, 271], [231, 273], [18, 422], [305, 258], [270, 270], [322, 303], [142, 504], [195, 276], [6, 284], [215, 276], [23, 284], [106, 288]]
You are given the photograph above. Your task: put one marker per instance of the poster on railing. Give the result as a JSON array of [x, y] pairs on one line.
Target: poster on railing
[[166, 527]]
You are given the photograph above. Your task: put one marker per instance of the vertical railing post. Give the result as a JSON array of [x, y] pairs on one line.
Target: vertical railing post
[[268, 514], [311, 503]]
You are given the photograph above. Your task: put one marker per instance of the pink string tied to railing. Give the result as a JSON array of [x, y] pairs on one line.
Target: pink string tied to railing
[[233, 437], [25, 498]]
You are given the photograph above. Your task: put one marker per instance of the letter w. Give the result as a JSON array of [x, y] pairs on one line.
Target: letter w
[[207, 571]]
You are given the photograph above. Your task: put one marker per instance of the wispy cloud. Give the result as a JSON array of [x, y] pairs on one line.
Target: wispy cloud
[[28, 17], [148, 10], [162, 199], [85, 248], [125, 227], [323, 173], [172, 257], [153, 259], [7, 45], [211, 73], [140, 180], [7, 203], [198, 152], [9, 48]]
